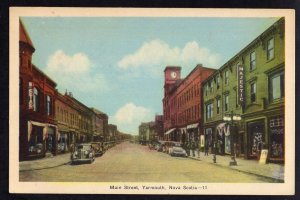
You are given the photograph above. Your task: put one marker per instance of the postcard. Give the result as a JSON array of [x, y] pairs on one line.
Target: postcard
[[152, 101]]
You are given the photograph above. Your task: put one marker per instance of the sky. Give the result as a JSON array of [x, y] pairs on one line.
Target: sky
[[116, 64]]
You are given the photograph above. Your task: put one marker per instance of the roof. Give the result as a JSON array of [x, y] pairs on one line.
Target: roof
[[23, 35], [45, 75]]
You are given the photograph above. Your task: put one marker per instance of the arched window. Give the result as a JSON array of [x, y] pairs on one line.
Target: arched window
[[35, 99]]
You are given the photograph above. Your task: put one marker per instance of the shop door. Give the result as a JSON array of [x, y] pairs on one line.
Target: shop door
[[256, 139]]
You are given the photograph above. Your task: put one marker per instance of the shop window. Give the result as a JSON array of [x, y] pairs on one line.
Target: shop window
[[252, 61], [226, 102], [276, 125], [226, 77], [253, 92], [270, 49], [277, 86], [35, 99]]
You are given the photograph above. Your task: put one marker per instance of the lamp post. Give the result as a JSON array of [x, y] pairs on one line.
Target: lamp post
[[230, 119]]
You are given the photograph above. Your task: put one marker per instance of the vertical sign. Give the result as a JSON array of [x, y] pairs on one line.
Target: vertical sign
[[30, 95], [240, 85]]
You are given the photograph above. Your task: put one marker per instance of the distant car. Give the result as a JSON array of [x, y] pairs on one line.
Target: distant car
[[83, 153], [178, 151], [98, 148]]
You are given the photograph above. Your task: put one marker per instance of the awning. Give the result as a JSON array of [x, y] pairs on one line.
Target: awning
[[192, 126], [169, 131]]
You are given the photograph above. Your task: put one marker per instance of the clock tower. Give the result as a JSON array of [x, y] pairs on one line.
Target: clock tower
[[172, 74]]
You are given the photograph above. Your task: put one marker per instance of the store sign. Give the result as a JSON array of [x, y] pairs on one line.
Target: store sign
[[263, 156], [201, 140], [240, 85], [30, 96]]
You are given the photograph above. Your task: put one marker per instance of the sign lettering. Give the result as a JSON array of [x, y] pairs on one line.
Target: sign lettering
[[240, 84]]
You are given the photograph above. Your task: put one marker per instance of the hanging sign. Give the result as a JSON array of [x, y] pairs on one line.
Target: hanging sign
[[240, 85], [201, 140]]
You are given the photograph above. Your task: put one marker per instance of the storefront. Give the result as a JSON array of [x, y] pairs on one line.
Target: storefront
[[41, 139], [208, 139], [276, 130], [193, 132], [256, 138]]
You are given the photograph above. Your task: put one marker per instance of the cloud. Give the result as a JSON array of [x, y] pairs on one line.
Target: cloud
[[75, 72], [129, 117], [155, 55]]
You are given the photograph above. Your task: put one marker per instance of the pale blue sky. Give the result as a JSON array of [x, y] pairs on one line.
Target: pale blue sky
[[116, 64]]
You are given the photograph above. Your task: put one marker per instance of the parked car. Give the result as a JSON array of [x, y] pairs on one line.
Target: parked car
[[178, 151], [83, 153], [98, 148]]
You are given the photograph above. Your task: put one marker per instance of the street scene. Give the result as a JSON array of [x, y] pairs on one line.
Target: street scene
[[130, 162], [115, 99]]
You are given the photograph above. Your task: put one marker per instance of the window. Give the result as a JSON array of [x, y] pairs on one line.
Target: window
[[218, 106], [226, 103], [277, 86], [218, 81], [35, 99], [206, 89], [48, 105], [226, 77], [21, 91], [211, 87], [253, 92], [209, 111], [252, 61], [270, 49]]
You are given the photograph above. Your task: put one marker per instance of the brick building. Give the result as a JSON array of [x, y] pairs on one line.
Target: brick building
[[182, 103], [37, 128], [260, 104]]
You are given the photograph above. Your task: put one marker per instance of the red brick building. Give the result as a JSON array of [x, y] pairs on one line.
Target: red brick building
[[182, 103], [37, 128]]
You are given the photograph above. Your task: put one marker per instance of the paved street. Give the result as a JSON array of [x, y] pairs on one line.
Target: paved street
[[129, 162]]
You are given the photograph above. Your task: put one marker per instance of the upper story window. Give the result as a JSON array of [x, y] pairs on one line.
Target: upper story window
[[206, 89], [277, 86], [35, 99], [48, 105], [218, 106], [270, 49], [252, 61], [226, 77], [226, 102], [209, 111], [218, 81], [211, 87], [21, 91], [253, 92]]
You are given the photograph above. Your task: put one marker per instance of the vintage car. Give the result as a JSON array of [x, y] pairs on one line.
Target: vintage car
[[83, 153], [98, 148], [178, 151]]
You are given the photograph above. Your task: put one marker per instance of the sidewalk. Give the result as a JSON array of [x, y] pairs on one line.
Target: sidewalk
[[44, 163], [270, 170]]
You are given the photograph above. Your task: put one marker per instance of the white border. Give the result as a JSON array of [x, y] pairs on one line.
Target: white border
[[287, 188]]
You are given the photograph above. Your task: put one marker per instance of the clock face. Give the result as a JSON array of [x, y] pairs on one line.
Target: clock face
[[173, 74]]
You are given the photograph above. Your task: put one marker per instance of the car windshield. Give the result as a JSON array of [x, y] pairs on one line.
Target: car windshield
[[83, 147], [177, 148]]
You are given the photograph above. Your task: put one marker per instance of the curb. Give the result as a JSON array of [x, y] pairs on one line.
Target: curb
[[48, 167], [277, 180]]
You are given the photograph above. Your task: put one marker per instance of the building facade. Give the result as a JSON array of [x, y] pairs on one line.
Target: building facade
[[38, 128], [251, 85], [182, 104], [159, 127], [147, 132], [99, 124]]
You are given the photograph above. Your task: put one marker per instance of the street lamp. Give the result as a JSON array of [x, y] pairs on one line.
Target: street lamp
[[230, 119]]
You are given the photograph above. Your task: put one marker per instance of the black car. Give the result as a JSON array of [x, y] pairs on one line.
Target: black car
[[83, 153]]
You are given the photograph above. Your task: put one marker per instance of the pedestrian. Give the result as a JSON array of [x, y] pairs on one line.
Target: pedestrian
[[188, 149], [206, 148]]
